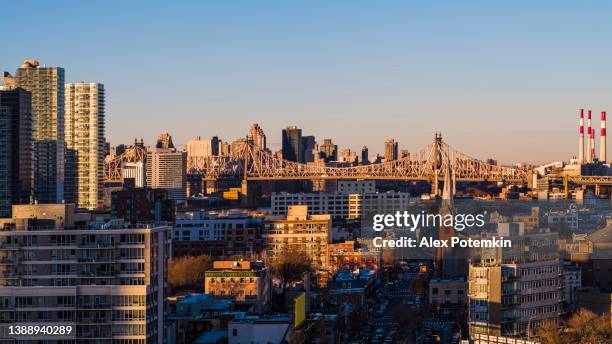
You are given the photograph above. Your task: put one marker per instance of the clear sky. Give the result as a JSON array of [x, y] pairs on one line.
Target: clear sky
[[500, 79]]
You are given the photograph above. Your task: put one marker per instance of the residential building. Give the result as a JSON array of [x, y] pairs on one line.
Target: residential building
[[229, 233], [351, 287], [16, 148], [571, 282], [6, 165], [142, 205], [451, 291], [84, 134], [298, 232], [348, 255], [240, 282], [513, 291], [167, 169], [531, 220], [108, 282], [193, 315], [569, 218], [47, 87]]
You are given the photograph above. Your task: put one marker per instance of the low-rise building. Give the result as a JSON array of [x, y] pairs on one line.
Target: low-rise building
[[240, 281], [351, 287], [189, 316], [260, 330], [448, 291], [572, 281]]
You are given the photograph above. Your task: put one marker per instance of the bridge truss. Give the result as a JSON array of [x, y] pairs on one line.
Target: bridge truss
[[428, 164]]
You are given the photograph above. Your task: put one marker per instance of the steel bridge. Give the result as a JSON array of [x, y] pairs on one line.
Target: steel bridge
[[113, 164], [428, 164]]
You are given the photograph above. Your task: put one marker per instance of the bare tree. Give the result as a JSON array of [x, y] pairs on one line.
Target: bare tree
[[290, 267], [187, 273], [582, 327]]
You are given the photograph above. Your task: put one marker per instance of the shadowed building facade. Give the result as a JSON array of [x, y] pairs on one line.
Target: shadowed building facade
[[47, 87]]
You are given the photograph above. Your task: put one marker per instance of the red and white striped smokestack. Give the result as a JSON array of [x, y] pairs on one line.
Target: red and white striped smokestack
[[589, 139], [593, 153], [581, 138], [602, 142]]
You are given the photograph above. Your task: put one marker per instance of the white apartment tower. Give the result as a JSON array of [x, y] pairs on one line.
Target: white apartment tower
[[84, 135]]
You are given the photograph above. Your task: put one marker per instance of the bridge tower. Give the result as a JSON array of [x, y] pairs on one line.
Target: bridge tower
[[437, 163]]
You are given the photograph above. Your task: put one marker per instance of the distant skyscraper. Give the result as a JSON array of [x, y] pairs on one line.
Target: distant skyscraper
[[329, 150], [391, 150], [84, 135], [292, 144], [199, 148], [224, 148], [167, 169], [16, 148], [309, 145], [164, 141], [47, 87], [135, 171], [365, 159], [257, 137], [238, 145], [346, 155]]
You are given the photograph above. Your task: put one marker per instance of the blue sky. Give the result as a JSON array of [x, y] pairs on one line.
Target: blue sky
[[499, 79]]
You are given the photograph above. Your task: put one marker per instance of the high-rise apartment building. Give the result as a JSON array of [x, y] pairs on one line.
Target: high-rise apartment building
[[391, 150], [299, 232], [84, 132], [257, 137], [167, 169], [47, 87], [16, 148], [514, 291], [292, 144], [107, 284], [5, 163], [329, 150]]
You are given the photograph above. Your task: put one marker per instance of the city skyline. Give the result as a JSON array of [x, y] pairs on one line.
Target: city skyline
[[516, 85]]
